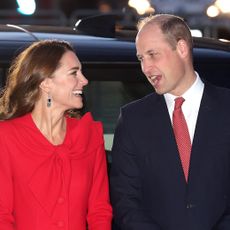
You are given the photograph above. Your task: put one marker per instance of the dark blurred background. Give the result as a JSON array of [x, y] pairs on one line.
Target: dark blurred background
[[210, 18]]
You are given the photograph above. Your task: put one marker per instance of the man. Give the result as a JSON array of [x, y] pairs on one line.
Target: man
[[165, 177]]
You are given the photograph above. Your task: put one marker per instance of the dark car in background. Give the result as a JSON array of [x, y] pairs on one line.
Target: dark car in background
[[109, 61]]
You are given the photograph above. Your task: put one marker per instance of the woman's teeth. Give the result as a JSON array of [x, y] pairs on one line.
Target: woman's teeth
[[77, 92]]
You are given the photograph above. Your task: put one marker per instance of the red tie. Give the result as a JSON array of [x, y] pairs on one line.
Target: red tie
[[182, 135]]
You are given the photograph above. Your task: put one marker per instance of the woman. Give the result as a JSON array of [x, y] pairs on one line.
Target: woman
[[53, 170]]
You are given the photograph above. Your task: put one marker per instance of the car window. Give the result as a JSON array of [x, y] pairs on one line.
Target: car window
[[112, 85], [104, 99]]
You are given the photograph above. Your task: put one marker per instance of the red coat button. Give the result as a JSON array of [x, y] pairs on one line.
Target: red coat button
[[60, 200], [60, 224]]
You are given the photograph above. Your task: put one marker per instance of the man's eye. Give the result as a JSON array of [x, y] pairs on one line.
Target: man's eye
[[140, 59], [153, 54]]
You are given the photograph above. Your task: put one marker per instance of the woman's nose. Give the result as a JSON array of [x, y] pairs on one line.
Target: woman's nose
[[84, 81]]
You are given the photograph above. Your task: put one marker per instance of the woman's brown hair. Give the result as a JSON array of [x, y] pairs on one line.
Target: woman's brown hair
[[28, 70]]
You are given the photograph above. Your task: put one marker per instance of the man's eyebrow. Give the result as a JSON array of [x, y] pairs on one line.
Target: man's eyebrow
[[151, 51], [147, 52]]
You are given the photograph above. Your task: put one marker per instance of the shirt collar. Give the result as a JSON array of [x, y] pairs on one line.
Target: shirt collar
[[193, 94]]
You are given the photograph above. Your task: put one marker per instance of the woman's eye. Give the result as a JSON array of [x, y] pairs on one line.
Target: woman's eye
[[74, 73]]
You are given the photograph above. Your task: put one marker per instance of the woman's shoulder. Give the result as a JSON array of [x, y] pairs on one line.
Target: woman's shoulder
[[11, 126], [85, 121], [86, 128], [5, 126], [22, 120]]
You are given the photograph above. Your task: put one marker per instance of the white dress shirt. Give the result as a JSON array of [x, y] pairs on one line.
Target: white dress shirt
[[191, 105]]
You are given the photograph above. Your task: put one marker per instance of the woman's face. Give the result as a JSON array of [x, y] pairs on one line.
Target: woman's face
[[66, 86]]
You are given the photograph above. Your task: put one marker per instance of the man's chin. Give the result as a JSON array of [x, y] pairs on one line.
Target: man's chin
[[158, 91]]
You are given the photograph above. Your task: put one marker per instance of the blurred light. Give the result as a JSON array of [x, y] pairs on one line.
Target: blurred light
[[212, 11], [26, 7], [196, 33], [141, 6], [223, 5], [224, 40]]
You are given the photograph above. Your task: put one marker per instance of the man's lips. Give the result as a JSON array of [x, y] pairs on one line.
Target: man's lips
[[155, 79]]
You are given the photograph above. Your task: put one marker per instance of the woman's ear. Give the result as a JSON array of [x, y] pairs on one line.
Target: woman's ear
[[45, 85]]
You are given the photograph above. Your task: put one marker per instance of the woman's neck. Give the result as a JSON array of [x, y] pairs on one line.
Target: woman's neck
[[52, 124]]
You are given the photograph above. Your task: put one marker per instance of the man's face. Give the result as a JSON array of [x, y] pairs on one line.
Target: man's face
[[163, 65]]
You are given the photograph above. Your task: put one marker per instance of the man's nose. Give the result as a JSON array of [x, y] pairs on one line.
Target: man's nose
[[147, 67]]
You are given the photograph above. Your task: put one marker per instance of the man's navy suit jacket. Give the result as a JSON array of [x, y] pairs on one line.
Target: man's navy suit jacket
[[148, 188]]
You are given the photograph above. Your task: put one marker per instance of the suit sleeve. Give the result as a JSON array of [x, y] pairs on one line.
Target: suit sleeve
[[99, 208], [125, 183], [6, 188]]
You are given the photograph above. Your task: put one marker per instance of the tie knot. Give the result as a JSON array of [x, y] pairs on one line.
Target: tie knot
[[178, 102]]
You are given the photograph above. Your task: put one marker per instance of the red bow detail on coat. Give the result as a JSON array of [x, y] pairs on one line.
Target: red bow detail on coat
[[53, 176]]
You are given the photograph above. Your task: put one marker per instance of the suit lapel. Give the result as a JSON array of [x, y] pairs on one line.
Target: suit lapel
[[204, 132]]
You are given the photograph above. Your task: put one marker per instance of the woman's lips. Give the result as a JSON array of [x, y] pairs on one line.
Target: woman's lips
[[77, 92]]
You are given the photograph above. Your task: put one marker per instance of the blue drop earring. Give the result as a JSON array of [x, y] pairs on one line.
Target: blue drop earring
[[49, 101]]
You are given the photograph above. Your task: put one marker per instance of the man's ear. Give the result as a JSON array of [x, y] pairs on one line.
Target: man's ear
[[45, 85], [183, 48]]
